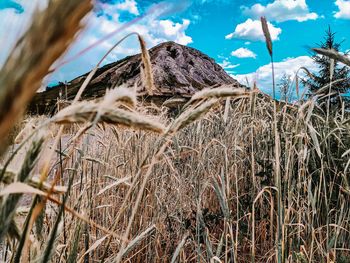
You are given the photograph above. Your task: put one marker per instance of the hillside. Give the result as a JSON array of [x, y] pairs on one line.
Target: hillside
[[178, 71]]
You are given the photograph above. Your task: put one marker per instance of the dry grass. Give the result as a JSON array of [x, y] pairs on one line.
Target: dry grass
[[242, 181], [199, 187]]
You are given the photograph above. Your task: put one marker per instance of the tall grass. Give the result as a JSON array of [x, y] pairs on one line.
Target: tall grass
[[235, 177], [202, 174]]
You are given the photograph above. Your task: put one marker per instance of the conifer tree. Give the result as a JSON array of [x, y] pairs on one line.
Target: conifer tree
[[322, 77]]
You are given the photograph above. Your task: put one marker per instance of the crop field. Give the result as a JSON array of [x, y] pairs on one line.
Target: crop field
[[227, 175]]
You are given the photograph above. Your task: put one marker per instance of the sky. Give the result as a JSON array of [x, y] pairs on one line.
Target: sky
[[229, 31]]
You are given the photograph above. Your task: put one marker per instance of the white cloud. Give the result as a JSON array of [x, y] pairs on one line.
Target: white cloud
[[176, 30], [282, 10], [251, 30], [153, 30], [288, 66], [344, 9], [243, 53], [129, 6], [14, 23], [227, 65], [247, 43]]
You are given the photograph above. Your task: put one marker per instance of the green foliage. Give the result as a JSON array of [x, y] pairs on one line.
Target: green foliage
[[9, 204], [343, 259], [75, 244], [323, 77]]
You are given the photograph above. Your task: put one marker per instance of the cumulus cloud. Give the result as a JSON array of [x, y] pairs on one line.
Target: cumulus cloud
[[175, 30], [344, 9], [288, 66], [251, 30], [153, 29], [243, 53], [129, 6], [282, 10]]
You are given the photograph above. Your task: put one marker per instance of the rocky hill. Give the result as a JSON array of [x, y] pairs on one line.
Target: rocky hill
[[179, 71]]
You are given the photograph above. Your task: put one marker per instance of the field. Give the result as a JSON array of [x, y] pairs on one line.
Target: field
[[231, 176], [208, 191]]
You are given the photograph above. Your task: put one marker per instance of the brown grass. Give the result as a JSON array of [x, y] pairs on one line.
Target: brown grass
[[249, 180], [205, 167]]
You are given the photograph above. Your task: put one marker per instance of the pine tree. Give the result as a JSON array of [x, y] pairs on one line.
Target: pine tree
[[322, 77]]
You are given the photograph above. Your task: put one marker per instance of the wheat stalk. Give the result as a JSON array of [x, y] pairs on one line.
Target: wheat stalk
[[33, 56], [265, 29], [147, 73], [85, 112], [190, 115], [333, 54], [10, 176], [221, 92], [133, 243], [8, 205]]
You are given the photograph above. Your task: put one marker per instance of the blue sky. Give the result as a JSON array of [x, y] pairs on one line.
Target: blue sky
[[228, 31]]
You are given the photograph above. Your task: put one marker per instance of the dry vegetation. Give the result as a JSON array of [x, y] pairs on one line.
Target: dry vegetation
[[119, 181]]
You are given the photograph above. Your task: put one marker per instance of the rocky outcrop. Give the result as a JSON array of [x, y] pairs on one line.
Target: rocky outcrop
[[179, 71]]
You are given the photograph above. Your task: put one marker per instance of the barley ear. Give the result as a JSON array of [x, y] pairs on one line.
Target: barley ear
[[333, 54], [267, 35], [147, 67]]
